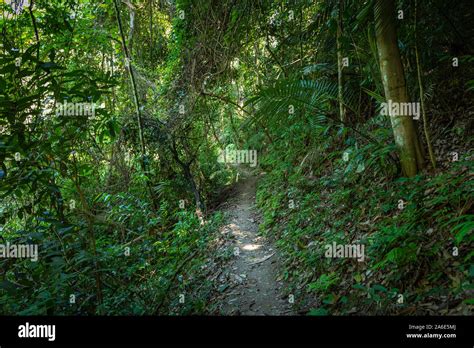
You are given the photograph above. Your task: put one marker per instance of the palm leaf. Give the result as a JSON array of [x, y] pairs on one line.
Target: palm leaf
[[311, 95]]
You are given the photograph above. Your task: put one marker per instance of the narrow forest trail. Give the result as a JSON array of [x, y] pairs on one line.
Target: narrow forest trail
[[253, 269]]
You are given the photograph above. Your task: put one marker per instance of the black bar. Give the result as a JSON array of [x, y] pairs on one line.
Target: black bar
[[241, 330]]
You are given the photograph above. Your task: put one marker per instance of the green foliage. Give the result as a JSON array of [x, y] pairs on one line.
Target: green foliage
[[409, 249]]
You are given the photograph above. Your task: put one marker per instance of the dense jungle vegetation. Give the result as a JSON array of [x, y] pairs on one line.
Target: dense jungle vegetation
[[114, 115]]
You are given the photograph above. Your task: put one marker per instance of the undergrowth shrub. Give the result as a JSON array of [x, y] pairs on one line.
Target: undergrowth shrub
[[417, 232]]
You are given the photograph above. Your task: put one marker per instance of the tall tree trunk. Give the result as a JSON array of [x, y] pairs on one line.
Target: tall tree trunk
[[340, 96], [393, 80], [143, 160], [151, 33], [422, 97], [134, 87]]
